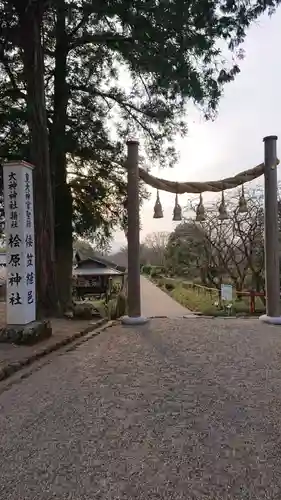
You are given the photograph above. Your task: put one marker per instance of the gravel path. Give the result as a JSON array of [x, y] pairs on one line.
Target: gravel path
[[155, 302], [176, 409]]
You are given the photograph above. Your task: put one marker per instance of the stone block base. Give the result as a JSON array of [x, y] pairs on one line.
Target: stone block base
[[26, 334], [270, 320], [134, 320]]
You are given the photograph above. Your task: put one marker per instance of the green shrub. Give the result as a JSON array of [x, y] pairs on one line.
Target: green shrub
[[170, 286], [161, 282], [121, 305], [157, 271], [111, 309], [146, 269], [153, 272], [117, 307]]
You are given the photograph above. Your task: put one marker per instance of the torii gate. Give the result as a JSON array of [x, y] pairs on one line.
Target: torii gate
[[271, 241]]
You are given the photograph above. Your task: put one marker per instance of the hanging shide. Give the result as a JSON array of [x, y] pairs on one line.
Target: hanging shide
[[200, 211], [177, 214], [223, 214], [158, 211], [242, 207]]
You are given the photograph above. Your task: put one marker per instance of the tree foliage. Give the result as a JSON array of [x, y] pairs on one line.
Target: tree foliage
[[120, 69], [153, 248], [214, 251], [186, 248]]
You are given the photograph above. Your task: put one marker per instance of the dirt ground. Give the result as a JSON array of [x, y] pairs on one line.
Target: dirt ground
[[62, 329]]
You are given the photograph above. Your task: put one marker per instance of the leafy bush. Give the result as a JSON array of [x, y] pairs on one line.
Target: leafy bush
[[153, 272], [170, 286], [121, 304], [146, 269], [157, 271], [117, 307], [161, 282]]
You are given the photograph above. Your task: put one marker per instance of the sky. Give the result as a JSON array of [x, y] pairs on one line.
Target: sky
[[249, 110]]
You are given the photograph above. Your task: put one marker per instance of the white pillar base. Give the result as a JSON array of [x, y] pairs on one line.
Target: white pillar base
[[137, 320], [271, 320]]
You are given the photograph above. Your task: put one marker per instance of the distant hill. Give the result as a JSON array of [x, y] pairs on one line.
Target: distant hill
[[120, 258]]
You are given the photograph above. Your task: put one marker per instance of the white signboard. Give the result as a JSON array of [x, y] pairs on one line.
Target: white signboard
[[19, 230], [226, 293]]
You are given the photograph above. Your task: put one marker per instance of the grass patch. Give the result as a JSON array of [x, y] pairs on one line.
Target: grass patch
[[193, 301], [204, 302]]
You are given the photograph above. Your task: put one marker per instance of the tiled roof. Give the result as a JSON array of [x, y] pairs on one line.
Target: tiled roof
[[91, 254]]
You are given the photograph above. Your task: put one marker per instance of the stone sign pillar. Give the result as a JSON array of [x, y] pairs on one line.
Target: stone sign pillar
[[20, 243]]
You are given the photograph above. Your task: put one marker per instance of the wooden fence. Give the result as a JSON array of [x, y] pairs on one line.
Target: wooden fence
[[215, 293]]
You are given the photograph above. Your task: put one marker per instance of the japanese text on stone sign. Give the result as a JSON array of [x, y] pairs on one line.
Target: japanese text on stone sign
[[14, 240], [20, 255], [13, 204], [29, 243], [27, 200]]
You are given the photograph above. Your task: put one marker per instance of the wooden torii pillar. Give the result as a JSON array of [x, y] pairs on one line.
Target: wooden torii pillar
[[271, 233], [134, 291]]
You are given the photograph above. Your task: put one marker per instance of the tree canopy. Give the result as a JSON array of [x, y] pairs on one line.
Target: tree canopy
[[213, 250]]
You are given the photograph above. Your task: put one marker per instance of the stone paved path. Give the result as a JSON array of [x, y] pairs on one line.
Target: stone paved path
[[154, 302], [175, 409]]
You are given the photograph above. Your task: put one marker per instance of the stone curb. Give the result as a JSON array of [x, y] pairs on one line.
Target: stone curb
[[15, 366], [202, 316]]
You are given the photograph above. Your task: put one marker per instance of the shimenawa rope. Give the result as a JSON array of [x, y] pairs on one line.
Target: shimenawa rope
[[201, 187]]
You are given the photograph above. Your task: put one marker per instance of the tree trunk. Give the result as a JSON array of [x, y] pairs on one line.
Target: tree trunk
[[61, 191], [203, 277], [30, 20], [258, 284], [239, 287]]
